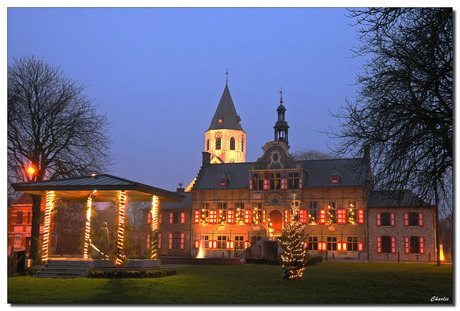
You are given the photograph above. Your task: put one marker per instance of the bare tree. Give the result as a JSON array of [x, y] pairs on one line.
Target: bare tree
[[403, 109], [52, 127]]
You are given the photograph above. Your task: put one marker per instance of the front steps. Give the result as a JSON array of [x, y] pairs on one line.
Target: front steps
[[65, 269]]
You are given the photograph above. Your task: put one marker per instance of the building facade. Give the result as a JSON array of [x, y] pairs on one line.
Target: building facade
[[237, 209]]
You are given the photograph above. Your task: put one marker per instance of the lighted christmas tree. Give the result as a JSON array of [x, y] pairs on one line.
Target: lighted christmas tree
[[293, 242]]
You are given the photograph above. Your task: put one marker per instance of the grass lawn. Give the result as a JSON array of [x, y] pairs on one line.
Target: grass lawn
[[326, 283]]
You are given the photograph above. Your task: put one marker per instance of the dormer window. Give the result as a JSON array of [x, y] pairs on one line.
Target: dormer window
[[335, 179], [223, 183], [220, 120]]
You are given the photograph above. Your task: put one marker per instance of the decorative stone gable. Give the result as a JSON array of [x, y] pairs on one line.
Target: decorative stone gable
[[276, 156]]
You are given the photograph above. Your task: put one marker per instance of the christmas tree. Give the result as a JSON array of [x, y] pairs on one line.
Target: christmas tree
[[292, 240]]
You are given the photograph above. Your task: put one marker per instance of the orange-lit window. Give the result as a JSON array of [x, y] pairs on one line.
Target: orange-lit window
[[284, 183], [182, 240], [322, 216], [212, 244], [342, 246], [335, 180], [213, 216], [360, 216], [230, 244], [231, 216], [247, 244], [341, 216], [196, 216], [247, 216], [360, 247], [287, 218], [197, 243], [182, 217], [303, 216], [266, 184], [379, 244], [322, 246]]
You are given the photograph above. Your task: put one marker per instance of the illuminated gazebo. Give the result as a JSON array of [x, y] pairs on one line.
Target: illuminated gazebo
[[99, 188]]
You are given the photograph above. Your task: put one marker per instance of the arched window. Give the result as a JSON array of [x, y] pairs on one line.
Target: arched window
[[242, 144], [232, 143], [218, 143], [207, 145]]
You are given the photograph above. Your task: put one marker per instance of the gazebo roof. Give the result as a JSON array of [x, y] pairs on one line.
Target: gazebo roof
[[78, 189]]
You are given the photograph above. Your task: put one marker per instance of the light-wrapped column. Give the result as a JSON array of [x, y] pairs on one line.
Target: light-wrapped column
[[46, 234], [121, 227], [89, 204], [154, 239]]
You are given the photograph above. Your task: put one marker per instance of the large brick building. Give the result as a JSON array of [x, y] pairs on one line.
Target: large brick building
[[235, 209]]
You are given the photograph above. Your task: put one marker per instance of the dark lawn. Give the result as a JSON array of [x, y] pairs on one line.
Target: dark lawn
[[326, 283]]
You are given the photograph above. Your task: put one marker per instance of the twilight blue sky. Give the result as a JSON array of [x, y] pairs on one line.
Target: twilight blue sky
[[158, 74]]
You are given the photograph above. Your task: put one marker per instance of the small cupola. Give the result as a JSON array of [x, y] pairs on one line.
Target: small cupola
[[281, 127]]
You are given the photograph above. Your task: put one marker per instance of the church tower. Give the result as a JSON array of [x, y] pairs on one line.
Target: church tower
[[225, 139], [281, 127]]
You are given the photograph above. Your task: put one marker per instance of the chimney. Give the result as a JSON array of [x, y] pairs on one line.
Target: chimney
[[206, 159], [180, 189]]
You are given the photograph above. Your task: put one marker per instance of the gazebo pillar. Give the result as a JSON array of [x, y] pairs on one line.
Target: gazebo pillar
[[121, 227], [89, 205], [46, 234], [154, 234]]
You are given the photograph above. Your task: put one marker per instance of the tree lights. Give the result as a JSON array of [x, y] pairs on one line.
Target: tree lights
[[89, 204], [294, 254], [46, 237], [121, 227], [154, 239]]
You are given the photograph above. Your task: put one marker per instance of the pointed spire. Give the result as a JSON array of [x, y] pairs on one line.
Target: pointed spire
[[225, 116]]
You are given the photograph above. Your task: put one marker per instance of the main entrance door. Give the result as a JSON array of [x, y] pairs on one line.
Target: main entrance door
[[276, 218]]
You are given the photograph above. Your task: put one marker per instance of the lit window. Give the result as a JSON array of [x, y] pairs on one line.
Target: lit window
[[303, 216], [220, 120], [335, 180], [341, 216], [222, 182], [213, 216]]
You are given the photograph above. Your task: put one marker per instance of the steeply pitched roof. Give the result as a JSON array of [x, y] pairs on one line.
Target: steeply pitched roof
[[404, 198], [238, 176], [352, 172], [227, 113]]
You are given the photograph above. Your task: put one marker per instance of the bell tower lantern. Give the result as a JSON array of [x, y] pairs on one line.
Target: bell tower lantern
[[281, 127]]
